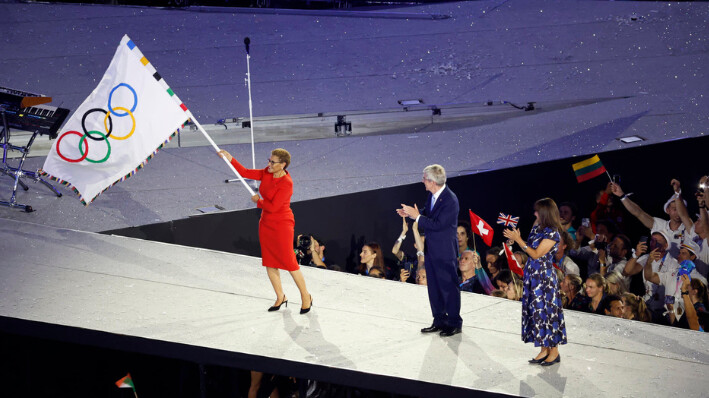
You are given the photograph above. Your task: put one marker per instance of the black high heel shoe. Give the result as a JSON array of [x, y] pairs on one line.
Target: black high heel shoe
[[549, 363], [538, 361], [306, 310], [278, 307]]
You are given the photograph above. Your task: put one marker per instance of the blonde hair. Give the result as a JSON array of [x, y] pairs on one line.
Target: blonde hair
[[617, 279], [575, 281], [637, 307], [517, 285], [283, 155], [524, 256]]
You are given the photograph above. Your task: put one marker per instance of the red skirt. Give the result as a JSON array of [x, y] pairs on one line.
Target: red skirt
[[276, 238]]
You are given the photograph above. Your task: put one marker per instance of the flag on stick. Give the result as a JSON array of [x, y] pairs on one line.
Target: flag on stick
[[589, 168], [127, 382], [130, 115], [480, 227], [515, 266], [507, 220]]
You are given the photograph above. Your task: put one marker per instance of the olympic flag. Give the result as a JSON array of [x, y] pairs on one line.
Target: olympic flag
[[130, 115]]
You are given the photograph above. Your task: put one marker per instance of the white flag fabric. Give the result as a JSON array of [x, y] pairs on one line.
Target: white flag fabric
[[130, 115]]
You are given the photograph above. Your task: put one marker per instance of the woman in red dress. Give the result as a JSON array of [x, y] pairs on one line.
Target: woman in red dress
[[277, 224]]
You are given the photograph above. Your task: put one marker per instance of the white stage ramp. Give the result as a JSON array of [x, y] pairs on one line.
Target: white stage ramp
[[210, 307]]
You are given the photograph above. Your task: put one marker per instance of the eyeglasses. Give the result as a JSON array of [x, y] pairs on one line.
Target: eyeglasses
[[271, 162]]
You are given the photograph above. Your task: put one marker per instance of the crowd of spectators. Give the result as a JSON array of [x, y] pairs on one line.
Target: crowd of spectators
[[658, 277]]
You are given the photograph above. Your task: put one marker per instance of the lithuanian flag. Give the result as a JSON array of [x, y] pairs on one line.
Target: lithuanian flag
[[588, 168]]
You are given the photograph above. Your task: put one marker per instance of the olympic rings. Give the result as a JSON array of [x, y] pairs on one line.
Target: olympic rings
[[108, 144], [83, 155], [90, 111], [107, 124], [135, 100], [131, 117]]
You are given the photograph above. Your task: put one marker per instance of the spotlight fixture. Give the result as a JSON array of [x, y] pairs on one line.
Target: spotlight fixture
[[410, 102], [631, 139], [343, 128]]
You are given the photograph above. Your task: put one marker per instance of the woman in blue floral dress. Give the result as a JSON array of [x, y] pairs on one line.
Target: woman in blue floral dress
[[542, 316]]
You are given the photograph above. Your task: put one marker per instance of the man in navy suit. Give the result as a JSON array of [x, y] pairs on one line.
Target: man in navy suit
[[439, 219]]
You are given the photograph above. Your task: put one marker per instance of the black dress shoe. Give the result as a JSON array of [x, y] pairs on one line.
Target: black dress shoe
[[430, 329], [538, 361], [549, 363], [447, 332]]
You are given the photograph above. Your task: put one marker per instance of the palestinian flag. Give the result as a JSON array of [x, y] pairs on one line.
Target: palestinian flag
[[588, 169]]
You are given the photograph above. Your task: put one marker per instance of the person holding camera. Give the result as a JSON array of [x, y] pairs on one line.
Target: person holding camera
[[310, 251], [587, 257], [673, 229], [277, 223], [408, 264], [614, 256], [698, 231], [657, 260]]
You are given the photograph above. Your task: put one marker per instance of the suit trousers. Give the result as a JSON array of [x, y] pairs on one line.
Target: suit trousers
[[443, 292]]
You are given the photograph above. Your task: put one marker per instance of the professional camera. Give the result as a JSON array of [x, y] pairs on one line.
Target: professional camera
[[304, 242], [302, 245]]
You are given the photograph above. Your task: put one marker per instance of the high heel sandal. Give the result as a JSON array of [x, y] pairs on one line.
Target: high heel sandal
[[306, 310], [278, 307]]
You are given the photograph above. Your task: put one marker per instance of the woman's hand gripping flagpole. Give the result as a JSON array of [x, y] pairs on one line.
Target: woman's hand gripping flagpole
[[216, 148]]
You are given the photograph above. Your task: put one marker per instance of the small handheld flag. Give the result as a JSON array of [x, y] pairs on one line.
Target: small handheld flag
[[127, 382], [589, 168], [512, 261], [507, 220], [480, 227]]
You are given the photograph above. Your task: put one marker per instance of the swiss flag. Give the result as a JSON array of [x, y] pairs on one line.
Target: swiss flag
[[515, 266], [480, 227]]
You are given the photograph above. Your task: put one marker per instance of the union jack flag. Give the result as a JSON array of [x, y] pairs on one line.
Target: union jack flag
[[507, 220]]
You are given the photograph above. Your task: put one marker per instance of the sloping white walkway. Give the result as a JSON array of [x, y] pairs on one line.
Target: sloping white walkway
[[192, 303]]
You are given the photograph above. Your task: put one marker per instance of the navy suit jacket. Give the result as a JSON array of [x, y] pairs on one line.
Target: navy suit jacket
[[440, 226]]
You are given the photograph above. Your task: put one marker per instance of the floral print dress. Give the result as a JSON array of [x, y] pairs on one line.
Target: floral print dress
[[542, 316]]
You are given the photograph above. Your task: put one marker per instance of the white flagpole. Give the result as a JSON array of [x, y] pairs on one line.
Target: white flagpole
[[247, 41], [216, 148]]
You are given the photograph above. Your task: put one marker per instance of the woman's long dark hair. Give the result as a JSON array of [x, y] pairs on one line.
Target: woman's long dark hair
[[548, 214], [378, 261], [701, 291]]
